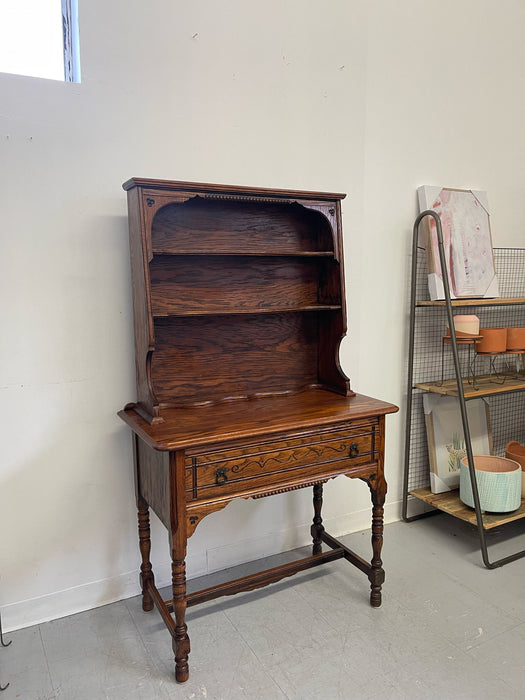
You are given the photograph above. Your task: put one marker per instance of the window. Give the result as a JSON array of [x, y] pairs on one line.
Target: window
[[39, 38]]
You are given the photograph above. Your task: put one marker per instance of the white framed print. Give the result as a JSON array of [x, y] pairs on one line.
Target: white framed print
[[445, 439]]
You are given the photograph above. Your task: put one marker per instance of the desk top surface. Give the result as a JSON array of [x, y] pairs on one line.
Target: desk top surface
[[183, 428]]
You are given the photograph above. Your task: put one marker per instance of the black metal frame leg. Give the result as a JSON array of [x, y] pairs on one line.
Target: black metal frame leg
[[4, 644]]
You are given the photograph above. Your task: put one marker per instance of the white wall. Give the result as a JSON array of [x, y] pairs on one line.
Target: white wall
[[372, 99]]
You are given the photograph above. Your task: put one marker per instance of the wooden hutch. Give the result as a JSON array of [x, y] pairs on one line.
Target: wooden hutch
[[239, 311]]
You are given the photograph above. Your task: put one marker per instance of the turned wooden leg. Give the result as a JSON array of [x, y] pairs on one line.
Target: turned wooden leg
[[146, 574], [377, 574], [178, 546], [181, 641], [317, 528]]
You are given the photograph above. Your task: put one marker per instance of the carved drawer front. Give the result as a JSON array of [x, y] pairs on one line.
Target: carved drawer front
[[271, 463]]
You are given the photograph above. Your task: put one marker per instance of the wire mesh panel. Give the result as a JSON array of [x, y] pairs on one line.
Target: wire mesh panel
[[507, 420], [433, 359], [509, 264], [418, 454]]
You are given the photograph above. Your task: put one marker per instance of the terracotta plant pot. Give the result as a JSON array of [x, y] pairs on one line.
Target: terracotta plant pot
[[516, 338], [494, 340], [498, 480], [516, 452]]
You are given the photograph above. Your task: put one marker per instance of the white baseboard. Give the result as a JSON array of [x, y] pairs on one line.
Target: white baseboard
[[97, 593]]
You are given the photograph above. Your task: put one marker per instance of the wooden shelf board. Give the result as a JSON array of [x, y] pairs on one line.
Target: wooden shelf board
[[450, 503], [486, 385], [248, 253], [247, 310], [509, 301]]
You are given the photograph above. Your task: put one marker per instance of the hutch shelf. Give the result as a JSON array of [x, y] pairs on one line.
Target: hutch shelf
[[239, 310], [505, 393]]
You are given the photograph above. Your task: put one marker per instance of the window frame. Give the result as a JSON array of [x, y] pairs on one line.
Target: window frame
[[71, 41]]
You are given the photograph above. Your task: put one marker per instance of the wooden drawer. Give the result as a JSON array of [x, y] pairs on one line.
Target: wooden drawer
[[271, 463]]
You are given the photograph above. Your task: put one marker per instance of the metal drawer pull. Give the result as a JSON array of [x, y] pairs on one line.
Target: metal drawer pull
[[354, 449], [220, 476]]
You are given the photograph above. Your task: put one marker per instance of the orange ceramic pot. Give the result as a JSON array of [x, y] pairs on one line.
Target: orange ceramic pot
[[494, 340], [516, 338]]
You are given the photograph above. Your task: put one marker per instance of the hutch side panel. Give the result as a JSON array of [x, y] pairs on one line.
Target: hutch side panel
[[143, 323]]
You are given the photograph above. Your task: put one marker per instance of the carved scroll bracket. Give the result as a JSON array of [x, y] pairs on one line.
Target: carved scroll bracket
[[196, 514]]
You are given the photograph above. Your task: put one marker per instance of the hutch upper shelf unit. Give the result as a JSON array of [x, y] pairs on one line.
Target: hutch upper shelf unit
[[239, 310], [241, 294], [429, 361]]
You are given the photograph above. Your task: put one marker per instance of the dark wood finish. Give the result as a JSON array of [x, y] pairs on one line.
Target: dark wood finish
[[178, 540], [262, 578], [235, 264], [269, 462], [317, 529], [146, 574], [199, 357], [239, 226], [239, 310], [184, 428], [279, 283]]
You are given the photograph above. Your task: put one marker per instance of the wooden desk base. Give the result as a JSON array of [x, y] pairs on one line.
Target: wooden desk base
[[183, 481], [177, 627]]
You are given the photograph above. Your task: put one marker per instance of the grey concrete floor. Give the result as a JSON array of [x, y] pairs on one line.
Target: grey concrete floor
[[448, 628]]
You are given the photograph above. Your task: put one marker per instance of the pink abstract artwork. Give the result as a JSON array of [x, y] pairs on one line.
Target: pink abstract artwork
[[466, 240]]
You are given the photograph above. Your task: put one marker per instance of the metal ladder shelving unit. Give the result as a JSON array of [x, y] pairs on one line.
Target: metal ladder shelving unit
[[507, 402]]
